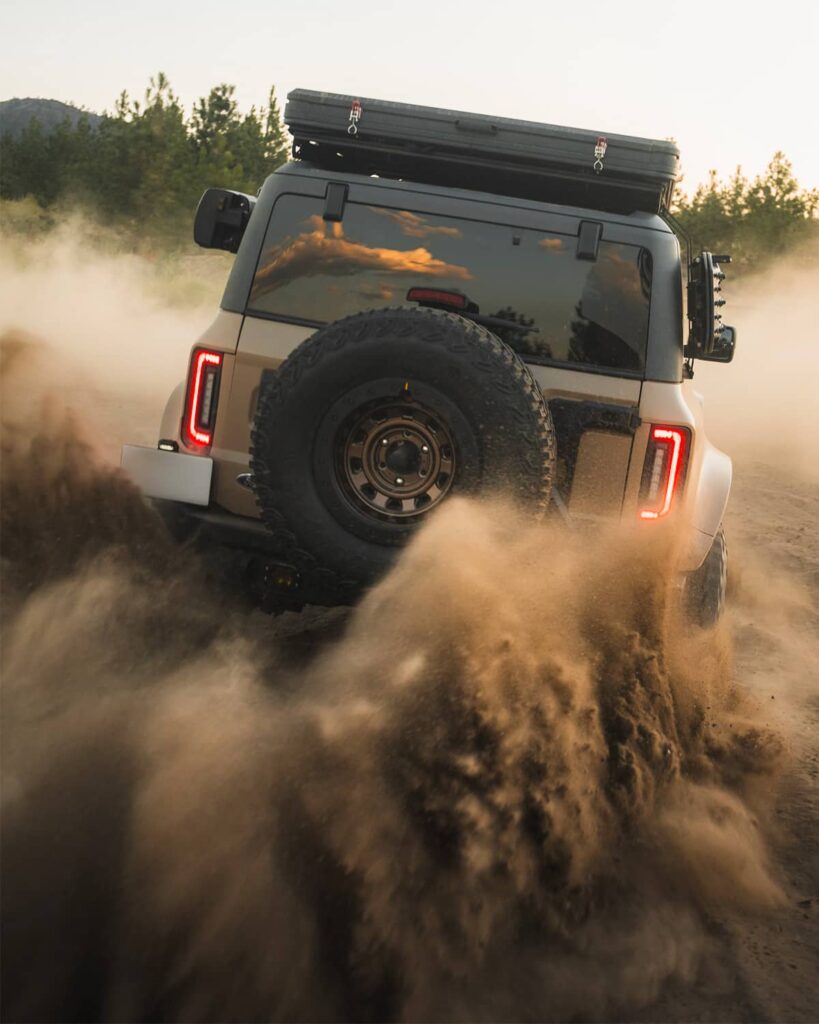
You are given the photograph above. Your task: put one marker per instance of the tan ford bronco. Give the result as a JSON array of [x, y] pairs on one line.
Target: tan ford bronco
[[426, 303]]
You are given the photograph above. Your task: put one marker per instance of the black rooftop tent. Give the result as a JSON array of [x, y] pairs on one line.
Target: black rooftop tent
[[475, 151]]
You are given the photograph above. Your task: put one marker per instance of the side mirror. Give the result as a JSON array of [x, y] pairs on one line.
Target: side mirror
[[704, 287], [221, 218], [724, 346]]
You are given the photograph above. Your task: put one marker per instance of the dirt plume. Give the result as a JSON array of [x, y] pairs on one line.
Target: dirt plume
[[106, 311], [764, 409], [118, 323], [510, 790]]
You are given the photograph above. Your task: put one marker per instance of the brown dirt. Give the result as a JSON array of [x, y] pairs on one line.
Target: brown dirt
[[765, 968], [506, 787]]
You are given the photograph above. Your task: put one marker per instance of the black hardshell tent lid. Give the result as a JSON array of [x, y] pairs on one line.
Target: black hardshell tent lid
[[476, 151]]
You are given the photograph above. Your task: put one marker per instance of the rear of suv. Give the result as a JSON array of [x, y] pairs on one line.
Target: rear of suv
[[388, 338]]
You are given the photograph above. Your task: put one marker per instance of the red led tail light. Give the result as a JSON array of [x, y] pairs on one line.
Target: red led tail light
[[663, 471], [200, 406]]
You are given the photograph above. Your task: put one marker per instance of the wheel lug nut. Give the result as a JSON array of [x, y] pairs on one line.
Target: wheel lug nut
[[399, 479], [385, 441], [424, 447]]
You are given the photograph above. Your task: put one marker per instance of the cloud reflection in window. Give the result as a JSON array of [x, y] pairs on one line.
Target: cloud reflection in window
[[413, 225], [314, 252]]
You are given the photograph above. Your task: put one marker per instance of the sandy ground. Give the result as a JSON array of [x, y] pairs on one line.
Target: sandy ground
[[762, 968], [766, 969], [761, 410]]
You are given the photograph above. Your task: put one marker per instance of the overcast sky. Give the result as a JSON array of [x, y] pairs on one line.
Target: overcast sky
[[731, 81]]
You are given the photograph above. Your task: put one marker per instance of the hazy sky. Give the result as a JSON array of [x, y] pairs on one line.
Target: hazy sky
[[731, 81]]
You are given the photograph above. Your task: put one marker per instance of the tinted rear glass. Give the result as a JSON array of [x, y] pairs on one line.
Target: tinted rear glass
[[552, 307]]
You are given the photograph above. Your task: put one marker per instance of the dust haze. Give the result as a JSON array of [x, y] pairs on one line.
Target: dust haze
[[505, 786], [119, 323], [764, 405]]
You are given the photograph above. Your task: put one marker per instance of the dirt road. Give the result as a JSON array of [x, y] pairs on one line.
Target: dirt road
[[764, 969], [247, 851]]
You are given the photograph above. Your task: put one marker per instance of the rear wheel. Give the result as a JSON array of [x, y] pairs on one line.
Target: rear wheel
[[374, 421], [705, 588]]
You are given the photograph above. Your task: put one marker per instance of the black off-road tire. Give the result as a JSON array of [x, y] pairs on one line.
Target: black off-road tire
[[704, 589], [451, 373]]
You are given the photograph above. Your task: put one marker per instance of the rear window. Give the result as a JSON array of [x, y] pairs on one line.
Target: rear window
[[528, 286]]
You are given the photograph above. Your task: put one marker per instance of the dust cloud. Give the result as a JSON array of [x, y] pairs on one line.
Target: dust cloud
[[764, 406], [493, 796], [504, 786], [119, 323]]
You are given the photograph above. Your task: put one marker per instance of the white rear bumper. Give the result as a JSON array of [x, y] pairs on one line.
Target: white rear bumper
[[169, 475]]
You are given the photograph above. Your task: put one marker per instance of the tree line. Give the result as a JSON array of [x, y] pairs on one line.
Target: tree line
[[752, 219], [146, 164]]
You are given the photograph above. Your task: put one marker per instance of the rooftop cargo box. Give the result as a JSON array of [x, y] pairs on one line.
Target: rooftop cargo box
[[493, 154]]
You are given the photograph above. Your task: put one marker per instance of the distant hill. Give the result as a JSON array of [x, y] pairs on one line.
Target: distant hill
[[15, 114]]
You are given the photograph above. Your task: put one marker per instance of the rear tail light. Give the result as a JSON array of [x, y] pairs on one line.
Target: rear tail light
[[664, 470], [203, 390]]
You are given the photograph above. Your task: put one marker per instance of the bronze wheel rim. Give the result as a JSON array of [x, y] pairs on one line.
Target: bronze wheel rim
[[395, 460]]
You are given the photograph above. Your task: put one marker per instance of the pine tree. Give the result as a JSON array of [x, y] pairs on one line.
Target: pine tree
[[213, 116], [277, 143]]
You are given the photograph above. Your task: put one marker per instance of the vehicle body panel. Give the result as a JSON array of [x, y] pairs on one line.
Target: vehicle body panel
[[170, 476], [707, 483]]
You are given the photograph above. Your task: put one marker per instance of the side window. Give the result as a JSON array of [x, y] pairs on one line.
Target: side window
[[526, 286]]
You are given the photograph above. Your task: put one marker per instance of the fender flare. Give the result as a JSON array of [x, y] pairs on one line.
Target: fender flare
[[710, 498]]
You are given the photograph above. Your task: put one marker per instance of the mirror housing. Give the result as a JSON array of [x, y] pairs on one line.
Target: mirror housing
[[724, 346], [221, 218], [704, 287]]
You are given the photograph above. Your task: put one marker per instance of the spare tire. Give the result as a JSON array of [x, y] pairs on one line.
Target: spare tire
[[374, 420]]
